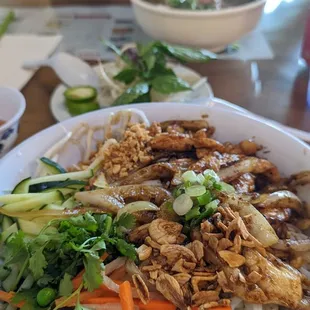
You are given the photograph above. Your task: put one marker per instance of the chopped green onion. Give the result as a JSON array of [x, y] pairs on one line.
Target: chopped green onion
[[212, 205], [187, 184], [200, 178], [189, 176], [192, 213], [182, 204], [195, 190], [179, 190], [211, 174], [217, 186], [209, 210], [227, 188], [205, 198]]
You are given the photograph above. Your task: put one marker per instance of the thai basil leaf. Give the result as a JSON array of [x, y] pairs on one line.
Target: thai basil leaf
[[132, 94], [188, 54], [126, 76], [167, 84]]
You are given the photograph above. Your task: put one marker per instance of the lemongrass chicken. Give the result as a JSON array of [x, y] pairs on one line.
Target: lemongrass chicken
[[160, 215]]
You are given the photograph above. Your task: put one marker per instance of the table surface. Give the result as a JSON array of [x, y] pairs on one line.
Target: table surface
[[275, 88]]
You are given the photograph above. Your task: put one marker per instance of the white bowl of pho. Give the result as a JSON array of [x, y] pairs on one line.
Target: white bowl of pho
[[209, 24]]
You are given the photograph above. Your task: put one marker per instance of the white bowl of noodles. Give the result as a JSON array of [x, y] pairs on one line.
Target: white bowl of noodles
[[74, 140]]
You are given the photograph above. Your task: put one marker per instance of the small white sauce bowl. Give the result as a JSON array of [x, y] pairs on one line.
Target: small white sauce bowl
[[12, 107]]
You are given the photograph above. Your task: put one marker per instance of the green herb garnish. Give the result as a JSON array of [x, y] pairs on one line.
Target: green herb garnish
[[56, 255], [146, 69]]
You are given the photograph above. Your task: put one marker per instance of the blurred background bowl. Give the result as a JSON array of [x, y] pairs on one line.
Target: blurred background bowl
[[210, 29], [12, 107]]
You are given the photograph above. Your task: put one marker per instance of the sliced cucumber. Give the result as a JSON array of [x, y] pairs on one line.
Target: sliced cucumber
[[64, 191], [6, 223], [10, 282], [51, 166], [53, 207], [8, 232], [81, 108], [34, 203], [70, 203], [22, 187], [79, 175], [30, 228], [101, 181], [4, 272], [27, 284], [73, 184], [43, 220], [11, 198], [81, 93]]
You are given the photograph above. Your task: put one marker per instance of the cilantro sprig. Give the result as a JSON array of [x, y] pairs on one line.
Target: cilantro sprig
[[146, 70], [56, 255]]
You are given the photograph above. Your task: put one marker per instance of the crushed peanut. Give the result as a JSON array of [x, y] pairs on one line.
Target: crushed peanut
[[128, 154]]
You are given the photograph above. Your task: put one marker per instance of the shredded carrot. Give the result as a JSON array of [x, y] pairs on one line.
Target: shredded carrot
[[157, 304], [104, 256], [83, 297], [76, 282], [103, 300], [125, 294], [6, 297], [215, 308]]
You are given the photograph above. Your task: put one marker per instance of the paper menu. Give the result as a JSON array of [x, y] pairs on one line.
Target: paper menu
[[16, 49]]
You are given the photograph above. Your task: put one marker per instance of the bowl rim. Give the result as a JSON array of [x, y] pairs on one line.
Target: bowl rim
[[81, 118], [166, 10], [20, 111]]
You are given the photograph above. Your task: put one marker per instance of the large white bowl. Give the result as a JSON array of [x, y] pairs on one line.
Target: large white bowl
[[213, 30], [287, 152]]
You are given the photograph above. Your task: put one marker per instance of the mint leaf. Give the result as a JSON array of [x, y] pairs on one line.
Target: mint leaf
[[168, 84], [37, 263], [144, 49], [126, 76], [126, 249], [187, 54], [132, 94], [126, 220], [149, 60], [92, 276], [65, 286], [160, 69]]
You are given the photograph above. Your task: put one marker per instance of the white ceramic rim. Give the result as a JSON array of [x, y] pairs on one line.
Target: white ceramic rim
[[180, 13], [21, 109], [141, 105]]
